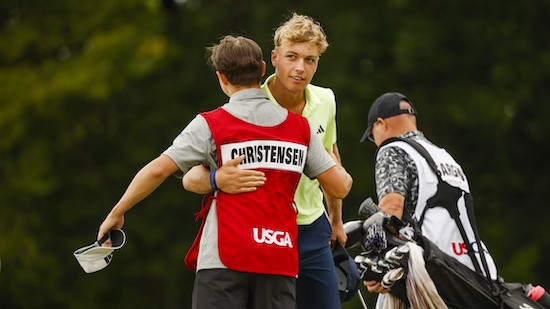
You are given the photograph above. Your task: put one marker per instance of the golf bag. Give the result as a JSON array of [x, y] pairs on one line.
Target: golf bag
[[461, 287], [457, 285]]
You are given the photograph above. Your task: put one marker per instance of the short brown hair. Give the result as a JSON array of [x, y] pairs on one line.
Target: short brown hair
[[301, 29], [239, 59]]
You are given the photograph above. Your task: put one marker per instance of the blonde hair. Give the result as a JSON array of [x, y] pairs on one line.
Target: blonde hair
[[301, 29]]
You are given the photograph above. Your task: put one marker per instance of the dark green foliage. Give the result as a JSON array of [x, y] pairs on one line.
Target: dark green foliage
[[92, 91]]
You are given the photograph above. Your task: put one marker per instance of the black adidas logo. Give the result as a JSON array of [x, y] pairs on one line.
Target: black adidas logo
[[320, 130]]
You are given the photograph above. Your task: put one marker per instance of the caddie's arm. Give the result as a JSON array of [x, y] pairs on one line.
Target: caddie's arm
[[228, 178], [150, 177], [393, 203]]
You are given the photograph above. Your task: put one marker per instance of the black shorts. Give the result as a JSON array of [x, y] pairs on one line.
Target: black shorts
[[229, 289]]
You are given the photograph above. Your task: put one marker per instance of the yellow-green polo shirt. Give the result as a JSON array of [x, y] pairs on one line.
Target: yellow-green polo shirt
[[320, 111]]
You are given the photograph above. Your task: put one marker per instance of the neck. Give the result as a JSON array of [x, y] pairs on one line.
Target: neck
[[232, 89], [293, 101]]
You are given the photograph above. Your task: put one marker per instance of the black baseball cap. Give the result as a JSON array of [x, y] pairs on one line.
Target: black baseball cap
[[386, 106]]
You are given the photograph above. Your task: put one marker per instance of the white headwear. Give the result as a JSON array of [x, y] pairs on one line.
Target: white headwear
[[94, 257]]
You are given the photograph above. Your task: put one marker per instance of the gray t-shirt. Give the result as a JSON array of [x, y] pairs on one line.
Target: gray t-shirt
[[195, 145]]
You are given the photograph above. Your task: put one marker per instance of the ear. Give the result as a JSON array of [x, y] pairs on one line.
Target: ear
[[273, 58], [383, 123], [221, 78], [263, 67]]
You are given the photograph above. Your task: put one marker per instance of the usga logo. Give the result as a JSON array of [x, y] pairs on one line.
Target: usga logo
[[459, 248], [269, 237]]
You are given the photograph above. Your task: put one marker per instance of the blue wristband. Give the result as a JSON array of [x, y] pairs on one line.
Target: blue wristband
[[213, 184]]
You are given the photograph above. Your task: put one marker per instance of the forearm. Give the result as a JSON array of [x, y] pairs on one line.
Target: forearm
[[145, 182], [197, 180], [334, 207], [392, 204]]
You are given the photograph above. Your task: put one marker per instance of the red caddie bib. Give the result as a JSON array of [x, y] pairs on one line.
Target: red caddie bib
[[257, 231]]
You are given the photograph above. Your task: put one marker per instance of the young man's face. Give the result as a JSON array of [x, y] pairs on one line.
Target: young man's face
[[295, 64]]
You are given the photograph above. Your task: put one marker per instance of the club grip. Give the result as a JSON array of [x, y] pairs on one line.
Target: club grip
[[544, 300]]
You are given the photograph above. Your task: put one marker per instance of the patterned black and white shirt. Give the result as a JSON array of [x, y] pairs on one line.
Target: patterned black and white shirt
[[396, 172]]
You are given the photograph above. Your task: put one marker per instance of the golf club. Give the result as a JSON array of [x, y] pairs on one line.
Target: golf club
[[363, 302]]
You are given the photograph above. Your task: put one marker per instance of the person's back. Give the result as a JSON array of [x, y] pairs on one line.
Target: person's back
[[257, 230], [422, 184], [428, 206], [234, 234]]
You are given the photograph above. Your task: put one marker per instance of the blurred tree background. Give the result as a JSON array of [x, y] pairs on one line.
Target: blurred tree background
[[92, 91]]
